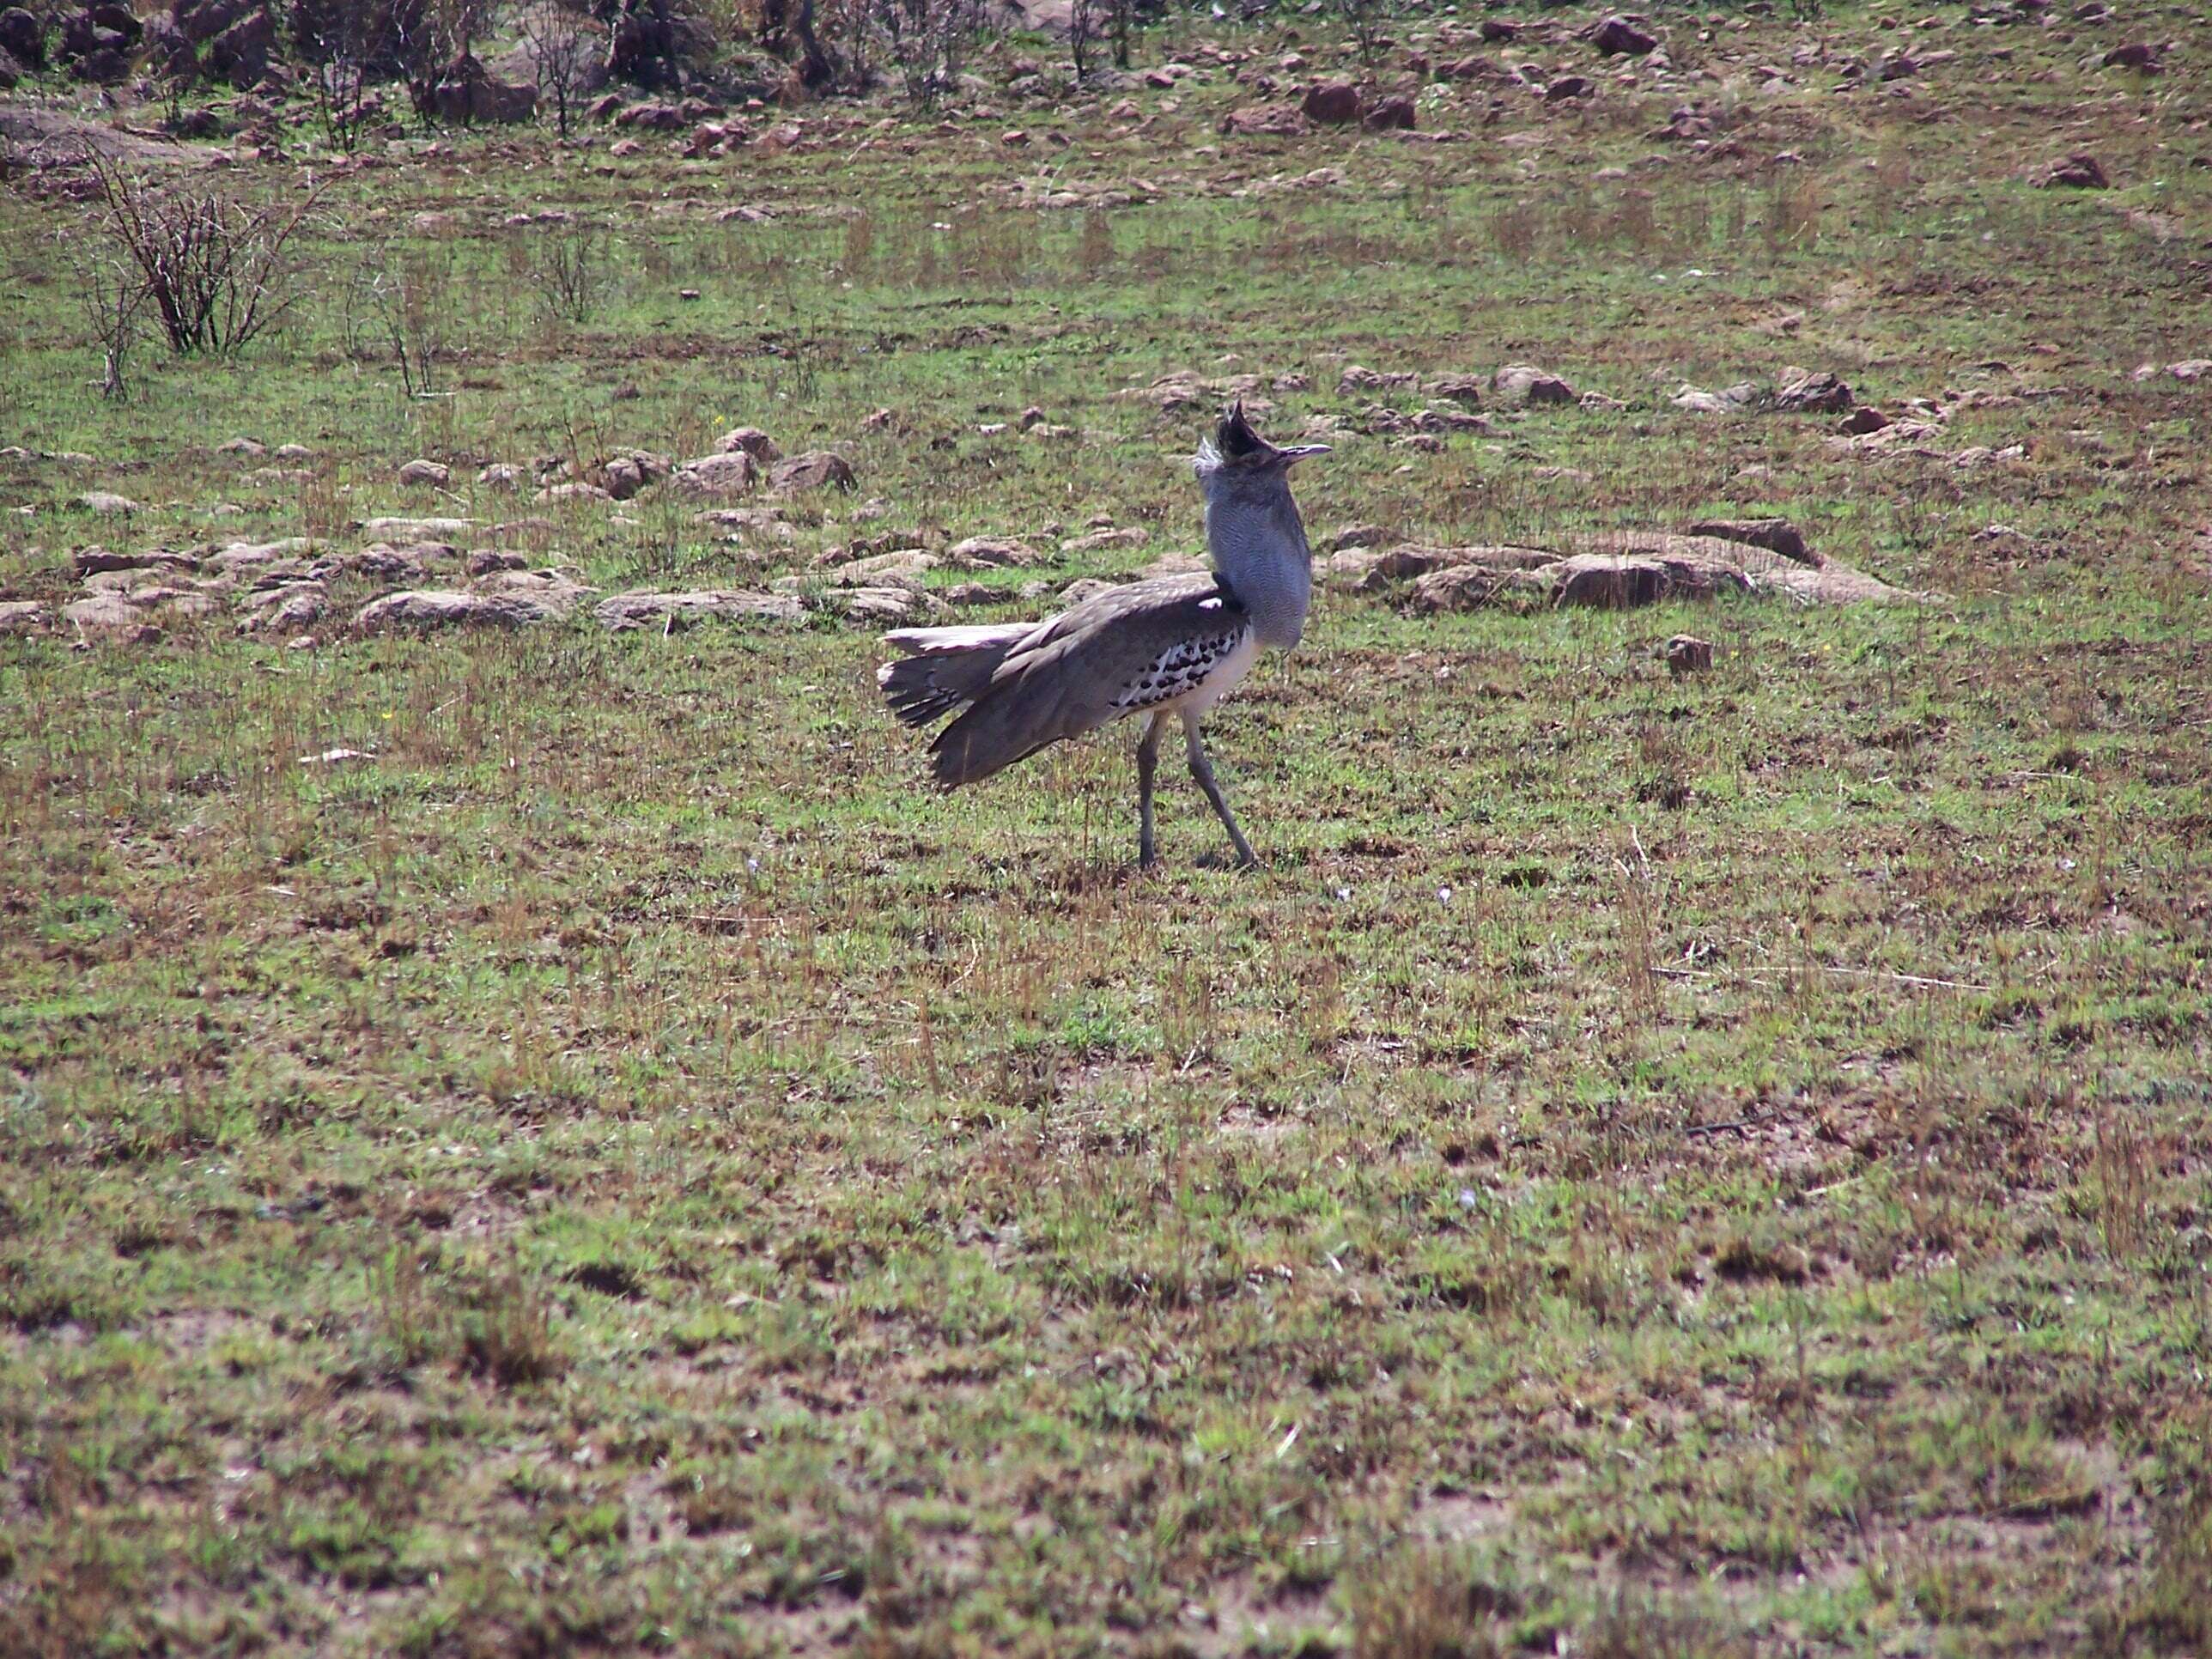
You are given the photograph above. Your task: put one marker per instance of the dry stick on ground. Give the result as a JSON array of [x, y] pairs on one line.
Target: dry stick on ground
[[214, 269]]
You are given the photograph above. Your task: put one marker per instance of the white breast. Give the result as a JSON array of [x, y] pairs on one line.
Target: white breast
[[1192, 674]]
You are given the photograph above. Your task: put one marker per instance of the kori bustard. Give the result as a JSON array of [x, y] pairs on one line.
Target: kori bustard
[[1174, 645]]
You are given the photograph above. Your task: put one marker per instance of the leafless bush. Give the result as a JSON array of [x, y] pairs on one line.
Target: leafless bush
[[927, 40], [563, 47], [1083, 17], [402, 314], [1366, 20], [114, 298], [217, 272], [569, 270]]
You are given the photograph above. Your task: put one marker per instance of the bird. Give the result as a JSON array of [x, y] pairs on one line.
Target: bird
[[1172, 646]]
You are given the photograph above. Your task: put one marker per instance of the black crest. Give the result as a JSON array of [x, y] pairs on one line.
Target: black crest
[[1234, 437]]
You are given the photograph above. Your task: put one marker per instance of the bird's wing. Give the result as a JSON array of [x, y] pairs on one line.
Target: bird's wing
[[1126, 649]]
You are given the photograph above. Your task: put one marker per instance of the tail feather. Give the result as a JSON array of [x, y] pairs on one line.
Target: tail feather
[[945, 668]]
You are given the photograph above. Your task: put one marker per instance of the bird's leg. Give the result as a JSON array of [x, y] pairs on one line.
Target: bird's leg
[[1202, 770], [1148, 761]]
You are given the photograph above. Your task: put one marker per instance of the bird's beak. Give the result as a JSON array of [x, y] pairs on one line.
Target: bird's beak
[[1299, 452]]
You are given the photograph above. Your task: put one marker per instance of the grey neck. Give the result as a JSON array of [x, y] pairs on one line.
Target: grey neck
[[1258, 546]]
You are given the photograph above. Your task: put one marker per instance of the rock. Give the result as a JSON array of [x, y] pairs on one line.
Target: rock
[[467, 93], [23, 38], [750, 441], [514, 599], [1332, 103], [11, 72], [240, 53], [1801, 391], [668, 612], [2076, 172], [247, 446], [1099, 540], [2190, 368], [502, 475], [1463, 388], [624, 476], [1499, 28], [2136, 55], [1357, 535], [293, 452], [1264, 120], [103, 67], [1610, 582], [107, 501], [404, 530], [1358, 377], [1570, 86], [877, 606], [432, 473], [293, 606], [110, 615], [1616, 36], [22, 617], [1864, 419], [1775, 535], [1473, 587], [717, 478], [972, 594], [90, 560], [996, 550], [904, 567], [487, 560], [1390, 115], [1524, 386], [574, 489], [1734, 400], [1688, 655], [815, 470]]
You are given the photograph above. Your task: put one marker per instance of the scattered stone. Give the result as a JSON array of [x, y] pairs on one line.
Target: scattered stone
[[1801, 391], [625, 475], [1688, 655], [513, 599], [1002, 552], [1358, 377], [466, 92], [573, 489], [485, 561], [403, 530], [292, 607], [668, 612], [1332, 103], [1864, 419], [2077, 171], [247, 446], [2136, 55], [1265, 120], [752, 441], [816, 469], [1776, 535], [22, 617], [1616, 36], [502, 475], [23, 38], [1396, 114], [432, 473], [875, 607], [1524, 386], [1357, 535], [904, 567], [1568, 87], [1734, 400], [87, 561], [107, 501], [717, 476], [1474, 587], [1464, 388], [1099, 540]]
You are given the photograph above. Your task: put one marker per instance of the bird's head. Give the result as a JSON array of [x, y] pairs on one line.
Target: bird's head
[[1234, 453]]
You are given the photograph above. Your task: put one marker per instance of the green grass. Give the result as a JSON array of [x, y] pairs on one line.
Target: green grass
[[1650, 1166]]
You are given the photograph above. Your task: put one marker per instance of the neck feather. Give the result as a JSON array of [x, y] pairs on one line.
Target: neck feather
[[1259, 546]]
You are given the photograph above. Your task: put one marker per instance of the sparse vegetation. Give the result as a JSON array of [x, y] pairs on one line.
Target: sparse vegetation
[[540, 1138]]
